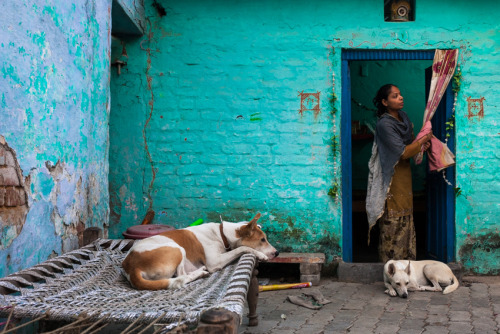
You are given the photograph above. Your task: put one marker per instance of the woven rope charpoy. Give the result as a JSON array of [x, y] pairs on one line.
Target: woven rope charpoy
[[88, 283]]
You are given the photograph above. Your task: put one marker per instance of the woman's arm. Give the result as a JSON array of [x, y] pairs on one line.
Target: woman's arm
[[415, 147]]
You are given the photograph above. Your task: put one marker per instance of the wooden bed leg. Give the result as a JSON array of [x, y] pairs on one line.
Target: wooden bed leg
[[218, 321], [252, 299]]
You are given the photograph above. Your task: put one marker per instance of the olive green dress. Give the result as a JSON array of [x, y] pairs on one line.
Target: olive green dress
[[397, 231]]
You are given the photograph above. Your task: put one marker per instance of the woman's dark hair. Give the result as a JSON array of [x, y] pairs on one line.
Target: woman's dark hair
[[382, 94]]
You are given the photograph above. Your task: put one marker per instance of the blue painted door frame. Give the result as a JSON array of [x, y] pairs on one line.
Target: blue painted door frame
[[440, 196], [447, 226], [346, 157]]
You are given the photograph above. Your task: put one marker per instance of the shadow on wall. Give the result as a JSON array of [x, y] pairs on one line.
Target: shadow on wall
[[13, 196]]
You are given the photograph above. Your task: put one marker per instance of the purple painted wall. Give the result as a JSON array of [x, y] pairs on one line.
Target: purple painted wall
[[54, 100]]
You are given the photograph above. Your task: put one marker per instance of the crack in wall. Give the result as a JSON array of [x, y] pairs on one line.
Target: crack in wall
[[149, 213]]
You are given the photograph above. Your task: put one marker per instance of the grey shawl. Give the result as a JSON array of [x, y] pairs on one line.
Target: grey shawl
[[391, 138]]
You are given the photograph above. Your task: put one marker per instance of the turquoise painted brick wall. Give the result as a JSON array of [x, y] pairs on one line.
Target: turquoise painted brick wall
[[54, 102], [205, 116]]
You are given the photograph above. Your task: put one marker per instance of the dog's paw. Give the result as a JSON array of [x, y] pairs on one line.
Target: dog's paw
[[391, 293], [262, 256], [204, 271]]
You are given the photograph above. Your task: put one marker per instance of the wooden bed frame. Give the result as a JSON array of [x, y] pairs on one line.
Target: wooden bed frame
[[212, 320]]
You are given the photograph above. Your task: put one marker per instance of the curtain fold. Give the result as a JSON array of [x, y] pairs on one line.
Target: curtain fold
[[443, 67]]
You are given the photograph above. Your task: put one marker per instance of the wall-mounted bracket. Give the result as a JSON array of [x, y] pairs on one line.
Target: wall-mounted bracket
[[119, 64]]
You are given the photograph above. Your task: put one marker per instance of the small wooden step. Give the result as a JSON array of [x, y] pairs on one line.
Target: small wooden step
[[299, 258], [310, 264]]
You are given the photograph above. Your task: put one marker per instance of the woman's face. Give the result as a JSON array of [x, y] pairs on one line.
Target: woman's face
[[394, 100]]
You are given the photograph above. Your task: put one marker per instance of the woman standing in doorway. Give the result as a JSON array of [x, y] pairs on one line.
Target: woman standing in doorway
[[389, 196]]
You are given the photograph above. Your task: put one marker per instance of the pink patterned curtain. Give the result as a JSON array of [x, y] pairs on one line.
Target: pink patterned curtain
[[443, 67]]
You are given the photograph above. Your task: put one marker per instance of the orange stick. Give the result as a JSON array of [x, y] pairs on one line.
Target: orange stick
[[284, 286]]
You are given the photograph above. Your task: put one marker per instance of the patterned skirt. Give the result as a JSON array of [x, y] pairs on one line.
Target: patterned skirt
[[397, 239]]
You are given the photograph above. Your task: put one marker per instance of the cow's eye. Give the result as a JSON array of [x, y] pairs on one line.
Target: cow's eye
[[263, 240]]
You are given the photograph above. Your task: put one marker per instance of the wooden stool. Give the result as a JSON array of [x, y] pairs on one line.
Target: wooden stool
[[310, 264]]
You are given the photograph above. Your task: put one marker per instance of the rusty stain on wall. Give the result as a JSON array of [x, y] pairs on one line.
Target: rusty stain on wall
[[475, 107], [13, 196], [309, 101]]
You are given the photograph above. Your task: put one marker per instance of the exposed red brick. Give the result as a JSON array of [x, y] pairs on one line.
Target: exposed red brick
[[2, 196], [3, 158], [8, 177], [10, 159], [12, 197], [22, 196]]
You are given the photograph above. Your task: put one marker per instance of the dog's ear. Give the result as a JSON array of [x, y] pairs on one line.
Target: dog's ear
[[248, 229], [408, 269], [391, 269], [254, 219]]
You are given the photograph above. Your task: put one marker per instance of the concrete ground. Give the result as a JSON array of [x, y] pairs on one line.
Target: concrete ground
[[364, 308]]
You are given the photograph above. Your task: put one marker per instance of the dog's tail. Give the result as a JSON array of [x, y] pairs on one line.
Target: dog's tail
[[452, 287], [140, 283]]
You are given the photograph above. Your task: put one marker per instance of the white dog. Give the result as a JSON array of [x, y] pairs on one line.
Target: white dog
[[401, 276], [193, 252]]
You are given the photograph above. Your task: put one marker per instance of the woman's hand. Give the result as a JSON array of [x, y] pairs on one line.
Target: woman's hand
[[425, 141], [425, 138]]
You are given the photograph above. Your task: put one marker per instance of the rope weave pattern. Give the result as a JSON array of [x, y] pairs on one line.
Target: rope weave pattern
[[89, 283]]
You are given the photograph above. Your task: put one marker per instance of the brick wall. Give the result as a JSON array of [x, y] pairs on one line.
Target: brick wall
[[206, 115], [13, 198]]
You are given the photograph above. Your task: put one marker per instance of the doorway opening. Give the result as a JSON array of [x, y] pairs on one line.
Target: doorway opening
[[366, 78], [363, 72]]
